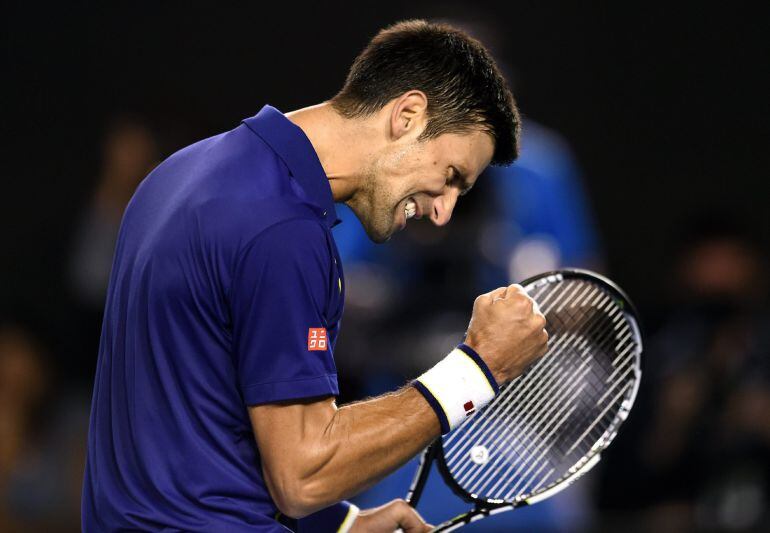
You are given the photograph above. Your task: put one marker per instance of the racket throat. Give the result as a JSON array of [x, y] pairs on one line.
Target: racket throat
[[489, 508]]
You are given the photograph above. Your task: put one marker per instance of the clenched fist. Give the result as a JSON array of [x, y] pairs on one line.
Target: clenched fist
[[507, 330]]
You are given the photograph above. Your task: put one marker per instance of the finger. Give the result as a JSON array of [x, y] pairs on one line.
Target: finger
[[408, 518], [497, 294], [510, 292], [412, 523], [537, 313], [544, 343], [515, 287], [536, 308]]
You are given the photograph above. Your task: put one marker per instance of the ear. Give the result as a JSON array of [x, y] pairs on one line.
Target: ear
[[409, 114]]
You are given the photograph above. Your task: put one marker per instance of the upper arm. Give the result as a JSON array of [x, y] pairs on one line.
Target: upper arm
[[281, 289]]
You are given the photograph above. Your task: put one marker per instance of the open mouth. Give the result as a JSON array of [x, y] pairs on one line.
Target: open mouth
[[410, 209]]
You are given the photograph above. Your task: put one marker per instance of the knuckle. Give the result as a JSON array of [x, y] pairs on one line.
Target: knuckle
[[530, 304], [481, 303], [414, 514], [399, 504], [524, 302]]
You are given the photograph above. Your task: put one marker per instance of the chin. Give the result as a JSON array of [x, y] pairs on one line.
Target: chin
[[379, 229], [378, 237]]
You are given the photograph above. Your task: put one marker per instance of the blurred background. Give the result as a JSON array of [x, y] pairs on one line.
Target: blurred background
[[645, 157]]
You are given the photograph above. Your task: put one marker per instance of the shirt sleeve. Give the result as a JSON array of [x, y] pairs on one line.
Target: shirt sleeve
[[279, 298]]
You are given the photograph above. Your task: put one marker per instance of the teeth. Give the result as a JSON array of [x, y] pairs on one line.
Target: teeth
[[410, 209]]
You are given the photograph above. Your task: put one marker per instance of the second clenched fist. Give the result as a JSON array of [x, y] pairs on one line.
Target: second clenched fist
[[507, 330]]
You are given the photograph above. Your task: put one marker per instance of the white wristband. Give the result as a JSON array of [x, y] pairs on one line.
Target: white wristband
[[457, 386]]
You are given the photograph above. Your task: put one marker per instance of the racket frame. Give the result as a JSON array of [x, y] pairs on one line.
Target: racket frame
[[484, 507]]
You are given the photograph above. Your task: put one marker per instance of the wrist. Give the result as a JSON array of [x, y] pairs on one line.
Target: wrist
[[471, 352], [457, 386], [492, 363]]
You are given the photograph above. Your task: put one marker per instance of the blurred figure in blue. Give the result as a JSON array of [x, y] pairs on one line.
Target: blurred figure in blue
[[540, 217]]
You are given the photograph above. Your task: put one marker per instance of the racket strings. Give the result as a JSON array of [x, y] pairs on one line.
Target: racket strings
[[508, 399], [539, 454], [548, 449], [540, 411], [612, 368], [545, 368], [531, 467], [551, 419], [573, 396]]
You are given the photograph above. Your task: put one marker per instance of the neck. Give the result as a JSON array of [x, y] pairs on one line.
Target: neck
[[336, 140]]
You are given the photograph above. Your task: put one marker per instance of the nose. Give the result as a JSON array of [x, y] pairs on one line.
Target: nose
[[443, 206]]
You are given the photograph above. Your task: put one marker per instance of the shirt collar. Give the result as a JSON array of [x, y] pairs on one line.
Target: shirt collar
[[294, 148]]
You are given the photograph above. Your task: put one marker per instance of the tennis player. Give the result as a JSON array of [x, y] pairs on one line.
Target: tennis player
[[213, 407]]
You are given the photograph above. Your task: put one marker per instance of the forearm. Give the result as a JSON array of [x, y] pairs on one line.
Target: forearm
[[365, 441], [314, 454]]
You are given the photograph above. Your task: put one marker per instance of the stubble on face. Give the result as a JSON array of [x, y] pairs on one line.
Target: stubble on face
[[414, 168], [376, 201]]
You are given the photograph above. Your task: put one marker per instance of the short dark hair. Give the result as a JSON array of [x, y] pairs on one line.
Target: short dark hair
[[465, 89]]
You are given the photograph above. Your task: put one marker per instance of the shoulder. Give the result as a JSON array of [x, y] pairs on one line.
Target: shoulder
[[233, 186], [204, 178], [235, 158], [239, 222]]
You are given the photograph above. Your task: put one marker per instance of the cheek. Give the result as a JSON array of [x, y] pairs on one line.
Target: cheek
[[403, 169], [404, 159], [433, 179], [411, 169]]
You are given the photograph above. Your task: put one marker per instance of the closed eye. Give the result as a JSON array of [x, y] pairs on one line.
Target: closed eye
[[459, 180]]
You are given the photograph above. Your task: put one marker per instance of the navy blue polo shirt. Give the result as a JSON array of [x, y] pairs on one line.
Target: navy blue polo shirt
[[226, 291]]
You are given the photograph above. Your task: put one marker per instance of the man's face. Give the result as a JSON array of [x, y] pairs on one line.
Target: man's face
[[419, 178]]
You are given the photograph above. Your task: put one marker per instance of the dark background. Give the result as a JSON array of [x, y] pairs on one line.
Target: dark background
[[665, 106]]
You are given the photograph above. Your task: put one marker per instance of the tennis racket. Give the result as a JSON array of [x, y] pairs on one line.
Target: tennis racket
[[549, 426]]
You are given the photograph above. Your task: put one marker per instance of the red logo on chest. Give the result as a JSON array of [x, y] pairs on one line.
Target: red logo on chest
[[317, 340]]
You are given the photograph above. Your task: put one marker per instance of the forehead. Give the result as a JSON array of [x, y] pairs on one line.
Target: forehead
[[472, 150]]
